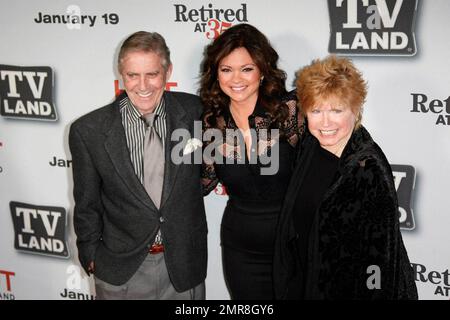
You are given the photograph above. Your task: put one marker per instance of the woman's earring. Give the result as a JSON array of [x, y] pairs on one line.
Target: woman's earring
[[261, 80]]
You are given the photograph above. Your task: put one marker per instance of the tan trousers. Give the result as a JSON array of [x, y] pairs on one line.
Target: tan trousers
[[150, 282]]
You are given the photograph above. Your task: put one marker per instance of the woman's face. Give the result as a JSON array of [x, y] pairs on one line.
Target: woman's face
[[239, 77], [332, 123]]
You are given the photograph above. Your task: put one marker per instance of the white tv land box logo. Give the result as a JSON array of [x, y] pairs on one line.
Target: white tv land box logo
[[39, 229], [372, 27], [405, 179], [27, 93]]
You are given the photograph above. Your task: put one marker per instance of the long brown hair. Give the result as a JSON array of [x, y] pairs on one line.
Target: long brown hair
[[272, 87]]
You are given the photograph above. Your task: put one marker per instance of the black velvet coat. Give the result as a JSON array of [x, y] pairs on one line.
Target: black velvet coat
[[356, 226]]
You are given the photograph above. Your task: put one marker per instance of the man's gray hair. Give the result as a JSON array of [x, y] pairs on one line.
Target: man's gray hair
[[146, 42]]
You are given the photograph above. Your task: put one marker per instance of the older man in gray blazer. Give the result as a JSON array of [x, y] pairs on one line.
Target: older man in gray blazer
[[139, 216]]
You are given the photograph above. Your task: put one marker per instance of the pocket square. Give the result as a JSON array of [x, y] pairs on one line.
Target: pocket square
[[191, 146]]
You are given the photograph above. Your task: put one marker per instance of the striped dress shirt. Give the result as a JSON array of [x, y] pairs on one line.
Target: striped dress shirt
[[135, 128]]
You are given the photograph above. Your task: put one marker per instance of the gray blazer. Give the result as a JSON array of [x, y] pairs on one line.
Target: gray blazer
[[114, 218]]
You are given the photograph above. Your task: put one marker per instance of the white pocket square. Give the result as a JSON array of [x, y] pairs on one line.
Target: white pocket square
[[191, 146]]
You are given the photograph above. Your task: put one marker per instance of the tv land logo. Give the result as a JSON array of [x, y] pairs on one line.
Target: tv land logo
[[210, 20], [39, 229], [27, 93], [372, 27], [421, 103], [404, 180], [6, 285], [439, 279]]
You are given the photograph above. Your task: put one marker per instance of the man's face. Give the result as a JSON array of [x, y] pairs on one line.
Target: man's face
[[144, 79]]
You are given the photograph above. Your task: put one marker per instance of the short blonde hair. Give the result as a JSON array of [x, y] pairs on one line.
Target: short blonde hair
[[331, 77]]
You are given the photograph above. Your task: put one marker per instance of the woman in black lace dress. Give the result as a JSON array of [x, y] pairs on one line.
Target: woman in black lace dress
[[254, 127]]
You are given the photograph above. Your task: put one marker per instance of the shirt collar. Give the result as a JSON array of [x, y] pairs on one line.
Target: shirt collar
[[135, 116], [161, 108]]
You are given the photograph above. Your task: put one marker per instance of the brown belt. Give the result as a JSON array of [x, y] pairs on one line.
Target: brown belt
[[156, 248]]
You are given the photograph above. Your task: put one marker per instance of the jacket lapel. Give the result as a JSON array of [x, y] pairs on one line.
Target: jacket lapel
[[116, 147], [176, 119]]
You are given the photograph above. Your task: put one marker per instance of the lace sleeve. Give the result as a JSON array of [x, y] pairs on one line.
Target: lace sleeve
[[293, 127], [209, 178]]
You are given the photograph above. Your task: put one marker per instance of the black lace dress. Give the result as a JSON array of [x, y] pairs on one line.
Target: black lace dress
[[256, 186]]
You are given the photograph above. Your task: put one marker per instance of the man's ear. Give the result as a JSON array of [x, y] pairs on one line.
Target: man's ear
[[169, 71]]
